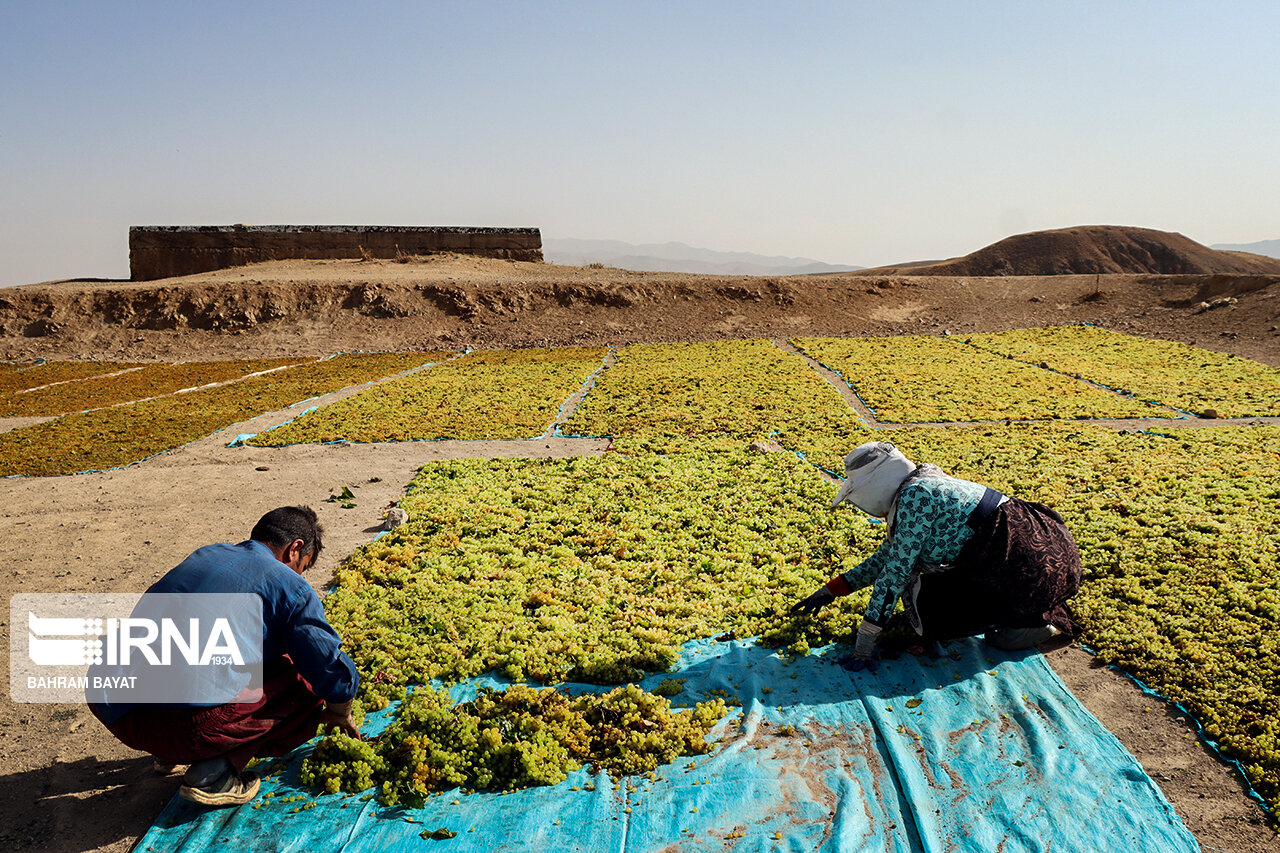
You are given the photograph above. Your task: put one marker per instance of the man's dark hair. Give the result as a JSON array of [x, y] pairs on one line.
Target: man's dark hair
[[284, 524]]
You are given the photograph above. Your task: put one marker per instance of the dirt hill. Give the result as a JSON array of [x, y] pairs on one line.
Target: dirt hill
[[1104, 249], [321, 307]]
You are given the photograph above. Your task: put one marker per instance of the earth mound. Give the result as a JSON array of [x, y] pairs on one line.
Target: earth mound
[[1094, 249], [318, 307]]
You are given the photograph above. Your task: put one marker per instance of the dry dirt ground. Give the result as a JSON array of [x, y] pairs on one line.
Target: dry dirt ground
[[69, 786]]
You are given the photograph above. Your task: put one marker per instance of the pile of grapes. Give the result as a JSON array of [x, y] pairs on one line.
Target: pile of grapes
[[505, 740]]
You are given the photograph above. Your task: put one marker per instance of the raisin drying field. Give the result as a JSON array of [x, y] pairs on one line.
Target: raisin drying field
[[600, 567]]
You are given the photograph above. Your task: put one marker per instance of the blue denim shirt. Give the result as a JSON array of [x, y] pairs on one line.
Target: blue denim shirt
[[293, 616]]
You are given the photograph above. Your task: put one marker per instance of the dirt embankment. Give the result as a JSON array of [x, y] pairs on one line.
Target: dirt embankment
[[320, 307]]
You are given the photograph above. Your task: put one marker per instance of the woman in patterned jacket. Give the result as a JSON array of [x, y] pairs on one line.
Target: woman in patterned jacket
[[963, 559]]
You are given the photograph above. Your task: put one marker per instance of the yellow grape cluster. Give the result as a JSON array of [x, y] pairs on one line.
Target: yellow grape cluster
[[340, 762], [119, 435], [1167, 372], [738, 389], [151, 380], [928, 379], [487, 394], [593, 569], [509, 739]]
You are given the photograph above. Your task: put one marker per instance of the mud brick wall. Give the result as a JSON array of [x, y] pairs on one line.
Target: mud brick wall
[[162, 251]]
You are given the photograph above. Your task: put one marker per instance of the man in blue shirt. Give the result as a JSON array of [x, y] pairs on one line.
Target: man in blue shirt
[[307, 679]]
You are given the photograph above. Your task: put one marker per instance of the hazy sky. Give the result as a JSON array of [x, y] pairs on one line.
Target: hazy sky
[[850, 132]]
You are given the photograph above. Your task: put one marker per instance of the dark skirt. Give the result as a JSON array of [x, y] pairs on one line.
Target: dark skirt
[[1017, 571]]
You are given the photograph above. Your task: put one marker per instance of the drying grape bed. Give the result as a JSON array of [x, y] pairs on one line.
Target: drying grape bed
[[483, 395], [590, 569], [22, 376], [120, 435], [152, 380], [925, 379], [1166, 372], [727, 389]]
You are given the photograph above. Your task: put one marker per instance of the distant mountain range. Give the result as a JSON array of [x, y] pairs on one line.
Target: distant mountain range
[[1270, 248], [677, 257]]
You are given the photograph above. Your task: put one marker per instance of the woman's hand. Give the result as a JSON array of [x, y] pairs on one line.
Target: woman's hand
[[856, 663], [812, 603], [866, 653]]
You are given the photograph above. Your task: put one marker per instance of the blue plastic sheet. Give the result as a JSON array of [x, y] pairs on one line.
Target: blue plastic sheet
[[976, 750]]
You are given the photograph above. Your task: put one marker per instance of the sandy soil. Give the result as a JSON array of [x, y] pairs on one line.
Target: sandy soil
[[69, 786]]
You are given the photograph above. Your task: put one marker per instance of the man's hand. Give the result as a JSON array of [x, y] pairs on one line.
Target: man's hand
[[812, 603], [339, 714]]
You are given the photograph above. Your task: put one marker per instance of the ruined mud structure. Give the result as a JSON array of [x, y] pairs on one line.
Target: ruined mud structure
[[164, 251]]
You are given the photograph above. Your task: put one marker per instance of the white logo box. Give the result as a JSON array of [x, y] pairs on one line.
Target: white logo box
[[152, 648]]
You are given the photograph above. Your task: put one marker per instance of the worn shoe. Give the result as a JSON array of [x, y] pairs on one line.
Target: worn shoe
[[163, 768], [230, 789], [1014, 639]]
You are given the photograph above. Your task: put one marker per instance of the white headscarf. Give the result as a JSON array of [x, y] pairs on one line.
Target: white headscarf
[[873, 473]]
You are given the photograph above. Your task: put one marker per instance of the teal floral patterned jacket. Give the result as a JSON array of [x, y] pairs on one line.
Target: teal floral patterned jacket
[[928, 532]]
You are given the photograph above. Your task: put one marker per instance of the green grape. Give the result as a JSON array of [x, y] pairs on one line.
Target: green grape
[[510, 739]]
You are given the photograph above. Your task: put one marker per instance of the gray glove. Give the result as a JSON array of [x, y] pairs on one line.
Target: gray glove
[[864, 646], [864, 654]]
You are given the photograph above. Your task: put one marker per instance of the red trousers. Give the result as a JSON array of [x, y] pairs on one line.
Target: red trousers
[[285, 716]]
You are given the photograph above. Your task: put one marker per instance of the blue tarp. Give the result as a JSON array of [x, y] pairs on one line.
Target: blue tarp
[[976, 750]]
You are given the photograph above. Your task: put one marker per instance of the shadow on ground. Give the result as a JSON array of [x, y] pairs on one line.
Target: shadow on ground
[[82, 805]]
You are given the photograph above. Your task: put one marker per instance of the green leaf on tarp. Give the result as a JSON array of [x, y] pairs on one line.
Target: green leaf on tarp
[[440, 834], [913, 703]]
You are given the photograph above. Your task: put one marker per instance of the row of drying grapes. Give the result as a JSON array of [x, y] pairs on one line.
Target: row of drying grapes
[[924, 379], [483, 395], [120, 435], [1166, 372], [131, 384]]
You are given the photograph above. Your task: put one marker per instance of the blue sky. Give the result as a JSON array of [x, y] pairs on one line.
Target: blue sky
[[849, 132]]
